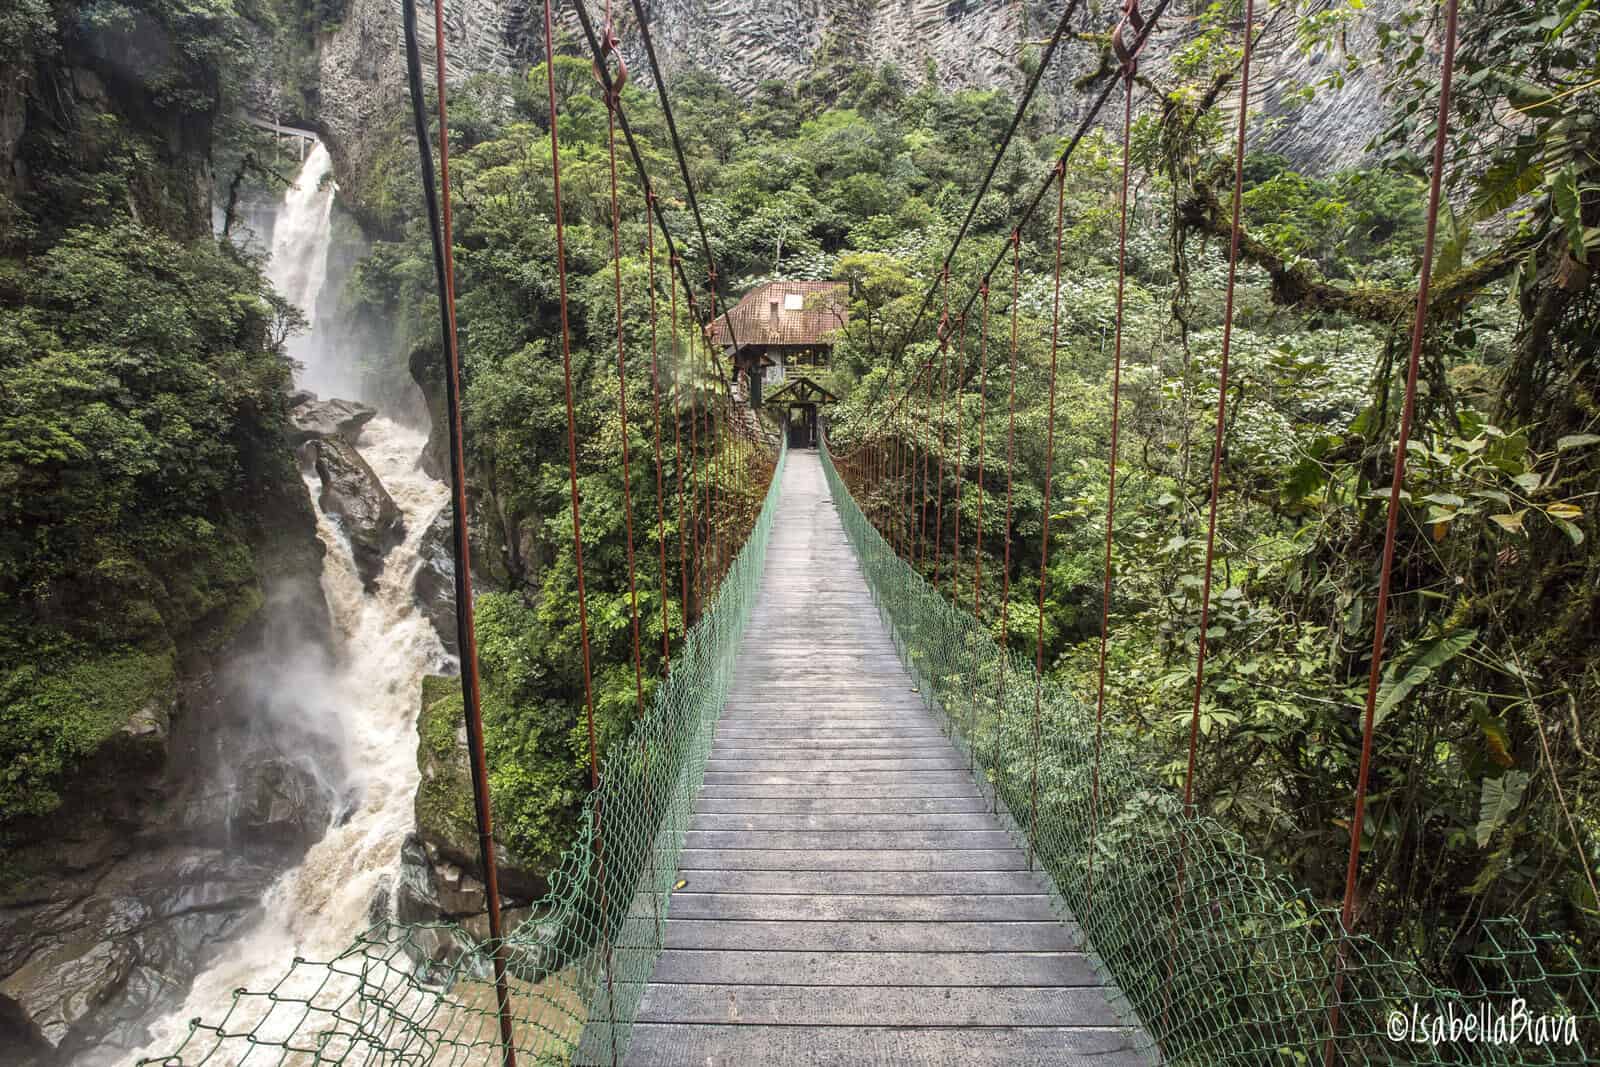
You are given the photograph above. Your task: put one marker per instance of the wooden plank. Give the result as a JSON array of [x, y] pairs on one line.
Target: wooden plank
[[736, 935], [774, 1005], [914, 882], [703, 1045], [945, 783], [892, 821], [847, 895], [840, 805], [698, 966], [881, 907], [728, 747], [778, 732], [878, 788], [820, 859], [658, 1045], [870, 841], [822, 765]]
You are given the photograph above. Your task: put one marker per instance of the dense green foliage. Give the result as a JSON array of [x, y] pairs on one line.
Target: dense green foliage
[[780, 199], [1484, 785], [1489, 680], [142, 403]]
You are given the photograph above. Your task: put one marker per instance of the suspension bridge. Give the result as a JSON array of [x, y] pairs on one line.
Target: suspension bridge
[[874, 835]]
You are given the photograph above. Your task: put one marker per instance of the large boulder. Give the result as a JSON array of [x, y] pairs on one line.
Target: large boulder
[[352, 493], [435, 583], [311, 419], [281, 799]]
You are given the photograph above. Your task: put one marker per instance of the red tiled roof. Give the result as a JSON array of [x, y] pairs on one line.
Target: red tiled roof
[[824, 308]]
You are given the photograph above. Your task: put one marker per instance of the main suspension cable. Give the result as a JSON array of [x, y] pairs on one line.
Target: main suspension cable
[[994, 165], [439, 235], [600, 51]]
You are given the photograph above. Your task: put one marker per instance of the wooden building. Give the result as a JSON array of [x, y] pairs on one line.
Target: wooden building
[[798, 399], [781, 328]]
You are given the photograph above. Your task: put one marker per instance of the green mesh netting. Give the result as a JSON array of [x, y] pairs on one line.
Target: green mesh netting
[[424, 993], [1218, 960]]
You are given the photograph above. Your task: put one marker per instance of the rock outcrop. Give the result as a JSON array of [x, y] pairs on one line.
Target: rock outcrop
[[311, 419], [352, 493], [445, 823], [165, 843], [435, 582]]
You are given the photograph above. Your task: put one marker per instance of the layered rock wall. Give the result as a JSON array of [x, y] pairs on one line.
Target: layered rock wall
[[965, 43]]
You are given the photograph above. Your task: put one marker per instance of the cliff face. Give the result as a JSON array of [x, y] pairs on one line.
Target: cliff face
[[965, 43], [154, 842]]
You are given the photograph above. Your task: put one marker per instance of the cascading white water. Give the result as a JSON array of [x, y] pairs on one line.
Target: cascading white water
[[385, 647], [298, 270]]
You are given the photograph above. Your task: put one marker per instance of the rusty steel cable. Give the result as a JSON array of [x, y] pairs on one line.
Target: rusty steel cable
[[655, 394], [938, 479], [1220, 429], [1090, 119], [643, 23], [1044, 540], [695, 512], [577, 519], [977, 552], [439, 235], [613, 93], [709, 435], [1347, 911], [955, 495], [677, 452], [1011, 461], [927, 464], [1128, 57]]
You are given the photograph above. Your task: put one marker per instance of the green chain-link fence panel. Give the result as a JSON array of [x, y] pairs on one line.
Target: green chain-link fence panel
[[424, 993], [1218, 960]]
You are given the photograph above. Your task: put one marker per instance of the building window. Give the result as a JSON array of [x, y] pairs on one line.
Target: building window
[[794, 301]]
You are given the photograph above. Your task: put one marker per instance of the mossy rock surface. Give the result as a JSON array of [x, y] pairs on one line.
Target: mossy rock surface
[[444, 805], [115, 705]]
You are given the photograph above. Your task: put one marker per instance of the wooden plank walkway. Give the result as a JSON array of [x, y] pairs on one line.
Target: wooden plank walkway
[[849, 898]]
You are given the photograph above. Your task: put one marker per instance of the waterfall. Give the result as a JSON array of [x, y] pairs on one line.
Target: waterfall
[[368, 704], [298, 269]]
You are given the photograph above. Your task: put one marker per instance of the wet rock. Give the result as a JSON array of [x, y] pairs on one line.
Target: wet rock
[[352, 493], [312, 419], [62, 984], [444, 909], [435, 583], [282, 800], [101, 954]]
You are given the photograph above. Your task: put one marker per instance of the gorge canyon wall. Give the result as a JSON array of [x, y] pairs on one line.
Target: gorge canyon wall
[[360, 64]]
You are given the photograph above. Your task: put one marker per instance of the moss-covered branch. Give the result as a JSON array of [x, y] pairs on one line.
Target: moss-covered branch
[[1302, 286]]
